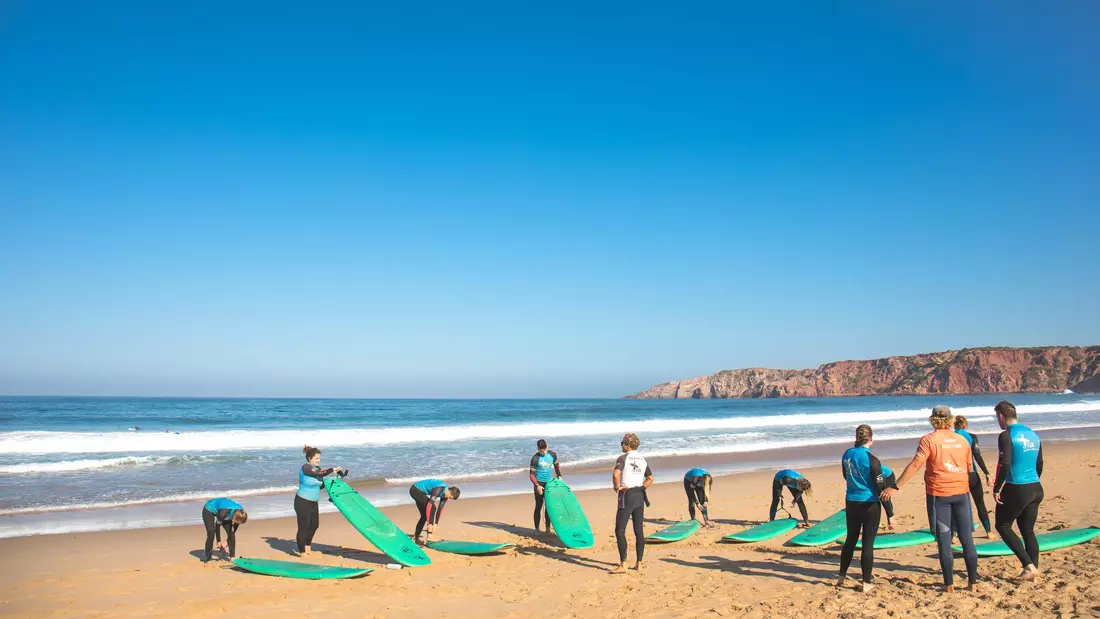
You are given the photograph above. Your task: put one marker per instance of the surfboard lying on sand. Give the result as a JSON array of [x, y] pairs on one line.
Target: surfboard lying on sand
[[901, 540], [825, 532], [292, 569], [374, 525], [566, 515], [1052, 540], [764, 531], [680, 530], [468, 548]]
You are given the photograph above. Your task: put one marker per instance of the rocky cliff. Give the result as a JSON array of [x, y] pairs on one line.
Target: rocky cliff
[[971, 370]]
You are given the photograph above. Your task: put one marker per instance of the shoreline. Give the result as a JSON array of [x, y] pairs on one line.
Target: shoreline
[[158, 572]]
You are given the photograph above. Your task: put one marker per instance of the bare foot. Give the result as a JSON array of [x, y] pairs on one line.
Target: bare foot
[[992, 535], [840, 581], [866, 587], [973, 587], [638, 566], [620, 569], [1029, 573], [949, 588]]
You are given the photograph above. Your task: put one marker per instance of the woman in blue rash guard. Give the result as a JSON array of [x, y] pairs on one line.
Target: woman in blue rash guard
[[226, 514], [431, 496], [697, 483], [798, 485], [863, 476], [310, 481]]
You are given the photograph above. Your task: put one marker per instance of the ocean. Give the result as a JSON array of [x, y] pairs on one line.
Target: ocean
[[85, 464]]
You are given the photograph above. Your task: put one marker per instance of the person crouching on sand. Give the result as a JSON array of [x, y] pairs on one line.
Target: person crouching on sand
[[431, 496], [697, 484], [630, 478], [227, 514]]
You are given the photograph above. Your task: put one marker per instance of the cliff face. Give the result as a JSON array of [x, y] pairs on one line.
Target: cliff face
[[972, 370]]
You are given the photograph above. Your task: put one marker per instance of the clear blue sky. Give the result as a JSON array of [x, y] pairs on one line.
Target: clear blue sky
[[535, 199]]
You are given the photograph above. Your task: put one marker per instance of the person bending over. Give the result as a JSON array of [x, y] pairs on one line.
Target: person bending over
[[798, 485]]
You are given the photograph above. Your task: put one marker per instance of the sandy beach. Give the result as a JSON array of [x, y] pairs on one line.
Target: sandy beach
[[159, 572]]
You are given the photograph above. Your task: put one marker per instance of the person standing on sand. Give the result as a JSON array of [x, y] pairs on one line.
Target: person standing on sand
[[310, 480], [230, 516], [798, 485], [431, 496], [947, 459], [630, 479], [977, 492], [1018, 492], [863, 477], [697, 483], [544, 467]]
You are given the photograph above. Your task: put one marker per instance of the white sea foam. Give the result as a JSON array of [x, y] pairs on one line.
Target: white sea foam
[[175, 498], [69, 466], [223, 440]]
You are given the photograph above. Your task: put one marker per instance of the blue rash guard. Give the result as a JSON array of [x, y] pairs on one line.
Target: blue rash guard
[[428, 485], [1021, 457], [216, 505], [863, 473], [792, 477], [976, 460], [310, 480], [544, 467], [696, 472]]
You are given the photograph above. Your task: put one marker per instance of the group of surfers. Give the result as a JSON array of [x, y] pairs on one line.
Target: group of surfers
[[949, 455]]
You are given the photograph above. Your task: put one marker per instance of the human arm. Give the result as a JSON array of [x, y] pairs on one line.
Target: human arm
[[648, 477], [978, 458], [1004, 463], [557, 464], [532, 471], [315, 472], [911, 469]]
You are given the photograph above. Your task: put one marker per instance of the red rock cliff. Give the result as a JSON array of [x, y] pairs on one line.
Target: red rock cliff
[[972, 370]]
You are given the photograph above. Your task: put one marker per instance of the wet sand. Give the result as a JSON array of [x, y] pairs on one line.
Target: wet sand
[[159, 572]]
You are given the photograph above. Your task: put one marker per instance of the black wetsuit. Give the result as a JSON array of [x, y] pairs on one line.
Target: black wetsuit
[[306, 503], [696, 490], [977, 491], [429, 504], [1019, 466], [632, 502], [540, 474]]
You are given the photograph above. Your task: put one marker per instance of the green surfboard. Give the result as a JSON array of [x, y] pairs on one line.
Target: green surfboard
[[680, 530], [901, 540], [374, 525], [825, 532], [764, 531], [468, 548], [290, 569], [566, 515], [1052, 540]]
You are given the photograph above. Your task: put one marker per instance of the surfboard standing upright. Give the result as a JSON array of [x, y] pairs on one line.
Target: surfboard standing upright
[[566, 516], [374, 525]]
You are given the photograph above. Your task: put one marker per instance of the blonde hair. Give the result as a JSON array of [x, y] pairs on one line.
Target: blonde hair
[[631, 440], [863, 434], [941, 418], [805, 486], [707, 481], [240, 517], [961, 423]]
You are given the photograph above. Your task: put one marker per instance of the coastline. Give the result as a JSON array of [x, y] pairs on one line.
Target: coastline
[[157, 572]]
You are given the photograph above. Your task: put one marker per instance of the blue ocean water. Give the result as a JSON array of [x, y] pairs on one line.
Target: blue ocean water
[[91, 463]]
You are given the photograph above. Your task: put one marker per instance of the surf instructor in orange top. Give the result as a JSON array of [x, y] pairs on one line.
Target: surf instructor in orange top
[[948, 461]]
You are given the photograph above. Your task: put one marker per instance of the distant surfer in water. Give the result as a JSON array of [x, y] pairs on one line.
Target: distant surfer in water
[[697, 483], [544, 467], [977, 492], [630, 478], [310, 480], [798, 485], [227, 514], [1018, 491], [431, 496]]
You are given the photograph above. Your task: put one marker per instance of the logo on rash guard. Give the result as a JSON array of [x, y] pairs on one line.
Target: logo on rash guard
[[1027, 444]]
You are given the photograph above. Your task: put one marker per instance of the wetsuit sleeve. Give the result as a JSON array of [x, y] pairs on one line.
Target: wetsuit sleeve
[[978, 456], [648, 471], [231, 538], [319, 474], [1039, 461], [876, 475], [1004, 460], [557, 465], [534, 469], [620, 463]]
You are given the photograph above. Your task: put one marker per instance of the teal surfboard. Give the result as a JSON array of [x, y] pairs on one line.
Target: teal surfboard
[[566, 515], [374, 525], [825, 532], [291, 569], [468, 548], [1047, 541], [764, 531], [680, 530], [901, 540]]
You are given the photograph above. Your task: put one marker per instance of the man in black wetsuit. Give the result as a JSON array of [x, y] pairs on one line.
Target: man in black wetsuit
[[544, 467]]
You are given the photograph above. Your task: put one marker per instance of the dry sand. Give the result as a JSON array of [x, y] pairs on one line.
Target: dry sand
[[158, 572]]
